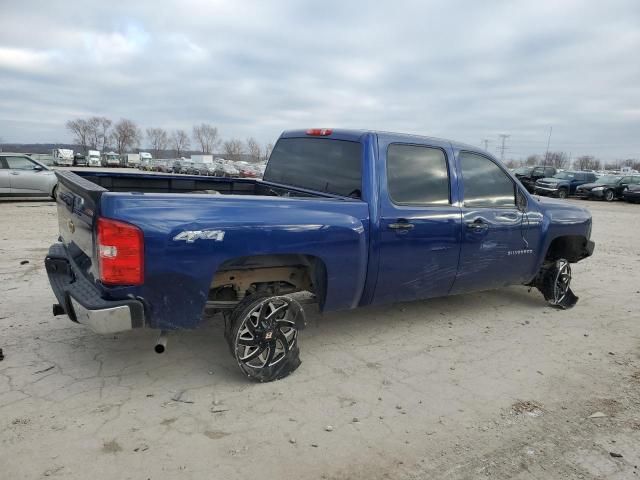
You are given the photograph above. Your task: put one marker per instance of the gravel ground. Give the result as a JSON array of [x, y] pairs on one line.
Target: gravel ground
[[489, 385]]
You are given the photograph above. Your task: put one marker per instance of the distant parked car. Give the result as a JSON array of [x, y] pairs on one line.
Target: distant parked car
[[111, 159], [563, 184], [177, 166], [22, 176], [163, 166], [528, 176], [79, 160], [145, 164], [201, 168], [187, 167], [225, 169], [248, 171], [608, 187], [632, 194]]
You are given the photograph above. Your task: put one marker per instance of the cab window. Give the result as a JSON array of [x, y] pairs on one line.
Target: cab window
[[417, 175], [485, 184], [19, 163]]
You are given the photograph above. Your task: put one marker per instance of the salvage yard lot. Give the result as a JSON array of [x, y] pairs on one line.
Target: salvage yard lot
[[495, 384]]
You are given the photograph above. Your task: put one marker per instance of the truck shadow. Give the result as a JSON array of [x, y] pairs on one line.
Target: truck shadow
[[202, 356]]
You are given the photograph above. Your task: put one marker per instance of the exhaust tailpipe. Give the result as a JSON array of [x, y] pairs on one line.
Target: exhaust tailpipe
[[161, 343]]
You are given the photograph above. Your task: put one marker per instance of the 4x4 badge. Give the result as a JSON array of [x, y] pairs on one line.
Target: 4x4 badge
[[191, 236]]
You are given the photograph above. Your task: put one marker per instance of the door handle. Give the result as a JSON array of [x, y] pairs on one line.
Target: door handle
[[478, 225], [401, 226], [15, 173]]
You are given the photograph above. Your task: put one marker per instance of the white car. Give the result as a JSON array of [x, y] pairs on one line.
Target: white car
[[22, 176]]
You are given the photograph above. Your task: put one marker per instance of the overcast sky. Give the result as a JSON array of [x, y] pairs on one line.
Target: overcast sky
[[465, 70]]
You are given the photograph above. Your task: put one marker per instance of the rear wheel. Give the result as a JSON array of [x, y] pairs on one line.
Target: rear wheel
[[262, 333], [609, 195]]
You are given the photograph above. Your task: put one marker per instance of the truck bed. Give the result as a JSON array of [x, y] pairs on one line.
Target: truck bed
[[174, 183]]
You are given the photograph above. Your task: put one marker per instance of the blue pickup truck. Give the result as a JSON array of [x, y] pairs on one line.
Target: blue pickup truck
[[353, 217]]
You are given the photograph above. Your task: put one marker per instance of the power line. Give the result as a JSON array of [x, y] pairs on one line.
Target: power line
[[504, 137], [546, 155]]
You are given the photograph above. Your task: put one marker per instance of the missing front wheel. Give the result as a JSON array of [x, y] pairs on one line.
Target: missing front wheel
[[554, 282]]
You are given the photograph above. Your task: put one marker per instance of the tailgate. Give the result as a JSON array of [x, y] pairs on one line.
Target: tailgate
[[78, 201]]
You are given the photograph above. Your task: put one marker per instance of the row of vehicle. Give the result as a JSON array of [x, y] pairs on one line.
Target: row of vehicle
[[546, 181], [94, 158], [218, 167]]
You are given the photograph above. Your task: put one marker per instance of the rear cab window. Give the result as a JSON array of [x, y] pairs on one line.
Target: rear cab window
[[417, 175], [325, 165]]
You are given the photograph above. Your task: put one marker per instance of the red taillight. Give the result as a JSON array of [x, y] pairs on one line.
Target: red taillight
[[319, 132], [120, 253]]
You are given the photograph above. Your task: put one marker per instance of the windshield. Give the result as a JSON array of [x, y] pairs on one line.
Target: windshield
[[608, 179], [565, 175], [523, 170]]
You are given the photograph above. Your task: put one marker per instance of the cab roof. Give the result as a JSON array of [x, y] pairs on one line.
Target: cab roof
[[356, 135]]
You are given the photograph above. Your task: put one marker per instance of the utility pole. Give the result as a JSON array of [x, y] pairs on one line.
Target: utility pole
[[504, 138], [485, 141], [546, 155]]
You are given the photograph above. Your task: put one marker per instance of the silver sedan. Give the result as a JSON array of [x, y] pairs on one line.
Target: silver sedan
[[22, 176]]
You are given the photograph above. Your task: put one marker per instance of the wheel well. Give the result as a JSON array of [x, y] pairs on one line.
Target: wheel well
[[571, 247], [277, 274]]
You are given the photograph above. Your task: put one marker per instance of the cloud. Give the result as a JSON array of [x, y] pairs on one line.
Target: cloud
[[462, 69]]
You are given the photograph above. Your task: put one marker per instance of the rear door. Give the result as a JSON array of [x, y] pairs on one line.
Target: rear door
[[419, 240], [495, 251]]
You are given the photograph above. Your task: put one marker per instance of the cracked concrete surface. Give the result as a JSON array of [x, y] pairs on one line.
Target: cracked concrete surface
[[489, 385]]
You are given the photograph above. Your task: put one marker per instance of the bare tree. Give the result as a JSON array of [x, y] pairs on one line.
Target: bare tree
[[268, 148], [93, 124], [125, 135], [158, 140], [233, 149], [103, 126], [533, 160], [253, 149], [206, 136], [587, 162], [81, 132], [180, 142], [557, 159], [630, 162]]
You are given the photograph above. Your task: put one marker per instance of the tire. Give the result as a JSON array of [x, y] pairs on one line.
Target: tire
[[562, 193], [54, 192], [262, 333], [609, 196]]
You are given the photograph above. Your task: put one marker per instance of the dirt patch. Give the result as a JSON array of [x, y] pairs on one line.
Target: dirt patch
[[215, 434], [528, 407], [111, 447]]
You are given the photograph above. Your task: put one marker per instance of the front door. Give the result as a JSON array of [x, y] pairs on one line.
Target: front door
[[419, 239], [498, 247], [25, 175], [5, 178]]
